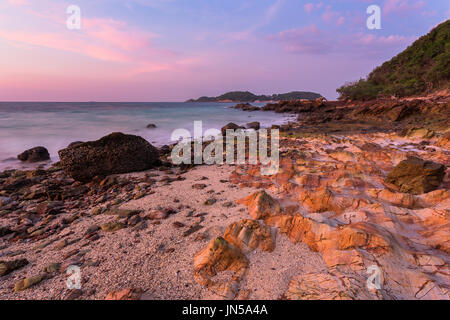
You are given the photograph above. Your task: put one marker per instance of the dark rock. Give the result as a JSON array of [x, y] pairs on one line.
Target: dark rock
[[165, 149], [75, 143], [246, 107], [253, 125], [7, 267], [112, 154], [151, 126], [417, 176], [34, 155], [230, 126]]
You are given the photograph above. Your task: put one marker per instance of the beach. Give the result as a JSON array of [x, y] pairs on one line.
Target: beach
[[333, 211]]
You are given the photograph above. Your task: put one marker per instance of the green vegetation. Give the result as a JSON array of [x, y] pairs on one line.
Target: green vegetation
[[423, 67], [246, 96]]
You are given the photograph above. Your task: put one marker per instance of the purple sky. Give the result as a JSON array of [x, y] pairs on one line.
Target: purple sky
[[172, 50]]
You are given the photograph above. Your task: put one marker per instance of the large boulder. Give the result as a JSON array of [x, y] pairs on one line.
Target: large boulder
[[113, 154], [34, 155], [253, 125], [230, 126], [416, 176]]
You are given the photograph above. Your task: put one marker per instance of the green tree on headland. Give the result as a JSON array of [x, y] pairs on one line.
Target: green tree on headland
[[423, 67]]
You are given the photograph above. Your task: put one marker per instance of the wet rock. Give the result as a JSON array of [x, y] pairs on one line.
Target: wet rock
[[7, 267], [151, 126], [112, 154], [416, 176], [34, 155]]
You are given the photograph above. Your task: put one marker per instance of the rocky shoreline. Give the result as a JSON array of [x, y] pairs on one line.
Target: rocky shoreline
[[360, 185]]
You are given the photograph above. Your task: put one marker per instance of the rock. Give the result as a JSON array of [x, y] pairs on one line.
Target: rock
[[246, 107], [230, 126], [318, 286], [125, 294], [416, 176], [210, 202], [248, 235], [5, 231], [192, 229], [423, 133], [73, 294], [253, 125], [75, 143], [112, 154], [218, 256], [444, 141], [34, 155], [199, 186], [164, 150], [261, 205], [123, 213], [52, 268], [28, 282], [6, 267], [112, 226], [49, 208], [151, 126]]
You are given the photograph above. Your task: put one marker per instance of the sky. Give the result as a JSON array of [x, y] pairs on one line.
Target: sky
[[173, 50]]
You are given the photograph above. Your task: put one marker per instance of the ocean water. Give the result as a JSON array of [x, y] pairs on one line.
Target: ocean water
[[54, 125]]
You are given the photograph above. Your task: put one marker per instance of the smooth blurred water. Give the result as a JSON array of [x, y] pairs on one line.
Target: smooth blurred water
[[54, 125]]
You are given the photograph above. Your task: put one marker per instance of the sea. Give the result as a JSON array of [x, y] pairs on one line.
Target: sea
[[54, 125]]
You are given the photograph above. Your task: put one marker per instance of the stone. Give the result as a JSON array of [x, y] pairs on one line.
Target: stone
[[112, 154], [28, 282], [416, 176], [230, 126], [125, 294], [216, 257], [112, 226], [248, 235], [34, 155], [260, 205], [6, 267], [253, 125], [52, 267], [151, 126]]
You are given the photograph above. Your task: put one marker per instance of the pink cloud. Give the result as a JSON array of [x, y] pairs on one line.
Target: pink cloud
[[311, 40], [19, 2], [402, 6], [309, 7]]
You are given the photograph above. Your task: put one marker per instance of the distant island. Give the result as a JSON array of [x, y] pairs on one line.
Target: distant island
[[246, 96]]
